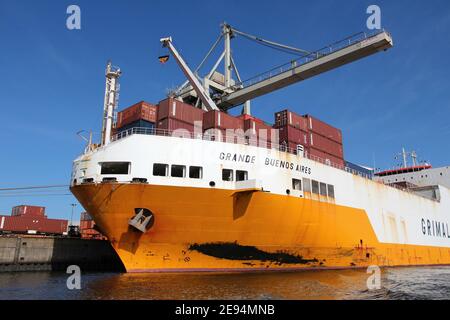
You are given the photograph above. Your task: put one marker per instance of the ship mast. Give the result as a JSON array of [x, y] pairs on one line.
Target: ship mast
[[405, 154], [112, 87]]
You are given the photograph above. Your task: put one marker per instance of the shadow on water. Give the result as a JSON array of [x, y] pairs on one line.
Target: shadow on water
[[89, 255]]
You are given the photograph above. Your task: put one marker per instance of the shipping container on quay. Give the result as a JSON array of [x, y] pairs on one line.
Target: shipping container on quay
[[30, 224], [88, 229], [31, 219], [28, 210]]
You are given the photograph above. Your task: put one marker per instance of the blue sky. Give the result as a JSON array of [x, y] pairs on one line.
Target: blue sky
[[52, 80]]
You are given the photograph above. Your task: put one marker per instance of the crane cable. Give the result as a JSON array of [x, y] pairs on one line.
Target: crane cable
[[272, 44], [186, 83]]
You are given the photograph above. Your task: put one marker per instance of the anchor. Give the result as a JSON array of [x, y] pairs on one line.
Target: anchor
[[142, 220]]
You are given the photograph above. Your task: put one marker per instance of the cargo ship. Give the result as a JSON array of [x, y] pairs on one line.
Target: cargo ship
[[183, 186]]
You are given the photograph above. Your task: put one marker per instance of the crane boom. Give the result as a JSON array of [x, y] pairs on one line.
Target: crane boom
[[204, 96], [339, 54]]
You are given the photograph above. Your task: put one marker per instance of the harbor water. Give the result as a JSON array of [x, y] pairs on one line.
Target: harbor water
[[396, 283]]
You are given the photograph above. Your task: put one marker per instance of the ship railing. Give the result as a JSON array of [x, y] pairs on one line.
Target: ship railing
[[216, 137], [246, 141]]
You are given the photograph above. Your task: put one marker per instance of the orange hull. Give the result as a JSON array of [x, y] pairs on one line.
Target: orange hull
[[199, 229]]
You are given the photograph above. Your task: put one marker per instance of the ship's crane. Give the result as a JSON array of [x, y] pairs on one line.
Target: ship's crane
[[203, 95], [221, 91]]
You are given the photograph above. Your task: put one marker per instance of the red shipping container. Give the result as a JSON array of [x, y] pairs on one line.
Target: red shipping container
[[329, 146], [85, 216], [168, 126], [28, 211], [139, 111], [249, 117], [86, 224], [218, 119], [290, 146], [286, 117], [323, 157], [174, 109], [324, 129], [257, 127], [23, 224], [290, 134]]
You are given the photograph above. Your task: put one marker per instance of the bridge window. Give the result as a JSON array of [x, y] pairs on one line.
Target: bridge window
[[306, 185], [115, 167], [178, 171], [227, 175], [323, 189], [241, 175], [195, 172], [315, 186], [297, 184], [160, 169], [330, 191]]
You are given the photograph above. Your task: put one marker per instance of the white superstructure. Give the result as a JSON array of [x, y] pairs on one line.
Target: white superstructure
[[396, 216]]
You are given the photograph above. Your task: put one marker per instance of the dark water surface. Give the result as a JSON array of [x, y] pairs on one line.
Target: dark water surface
[[396, 283]]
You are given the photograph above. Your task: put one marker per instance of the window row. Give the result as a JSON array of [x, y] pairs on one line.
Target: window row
[[228, 175], [195, 172], [313, 186], [177, 171]]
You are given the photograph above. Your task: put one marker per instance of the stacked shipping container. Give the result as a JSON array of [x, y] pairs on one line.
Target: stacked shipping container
[[289, 118], [325, 141], [28, 211], [259, 130], [318, 138], [215, 122], [87, 227], [31, 219], [139, 115], [292, 129], [174, 114], [324, 129]]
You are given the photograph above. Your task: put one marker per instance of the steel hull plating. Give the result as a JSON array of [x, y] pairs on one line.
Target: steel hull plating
[[201, 229]]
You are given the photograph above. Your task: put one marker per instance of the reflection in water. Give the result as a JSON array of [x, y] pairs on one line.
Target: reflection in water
[[397, 283]]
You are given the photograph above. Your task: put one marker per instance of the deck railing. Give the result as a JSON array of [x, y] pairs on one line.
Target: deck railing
[[242, 140], [236, 139]]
